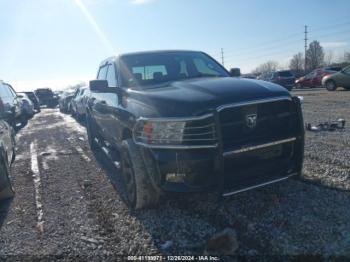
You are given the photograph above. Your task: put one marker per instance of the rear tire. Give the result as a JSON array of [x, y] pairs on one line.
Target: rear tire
[[139, 189], [330, 85]]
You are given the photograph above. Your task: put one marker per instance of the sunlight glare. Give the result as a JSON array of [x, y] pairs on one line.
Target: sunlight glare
[[95, 26]]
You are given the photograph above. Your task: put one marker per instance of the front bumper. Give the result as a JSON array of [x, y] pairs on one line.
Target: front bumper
[[230, 171]]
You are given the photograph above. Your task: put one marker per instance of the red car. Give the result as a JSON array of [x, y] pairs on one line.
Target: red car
[[314, 78]]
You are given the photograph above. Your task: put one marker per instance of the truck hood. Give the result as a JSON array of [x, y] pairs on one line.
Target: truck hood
[[201, 95]]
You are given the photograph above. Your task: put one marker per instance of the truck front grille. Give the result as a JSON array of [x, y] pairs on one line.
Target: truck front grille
[[200, 132], [269, 121]]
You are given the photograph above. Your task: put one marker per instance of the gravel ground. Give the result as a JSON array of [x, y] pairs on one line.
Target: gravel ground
[[78, 210]]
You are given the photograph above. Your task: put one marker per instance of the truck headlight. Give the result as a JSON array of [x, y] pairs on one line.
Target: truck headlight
[[160, 132], [188, 132]]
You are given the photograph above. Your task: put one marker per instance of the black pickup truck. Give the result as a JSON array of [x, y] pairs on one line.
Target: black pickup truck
[[177, 121]]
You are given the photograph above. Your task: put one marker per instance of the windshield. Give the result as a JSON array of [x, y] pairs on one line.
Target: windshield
[[153, 68]]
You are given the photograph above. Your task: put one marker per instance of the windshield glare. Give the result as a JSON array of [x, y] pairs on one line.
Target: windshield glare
[[153, 68]]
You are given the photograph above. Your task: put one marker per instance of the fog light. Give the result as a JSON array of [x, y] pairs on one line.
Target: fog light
[[175, 177]]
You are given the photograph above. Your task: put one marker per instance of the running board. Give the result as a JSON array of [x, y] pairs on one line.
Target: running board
[[257, 186]]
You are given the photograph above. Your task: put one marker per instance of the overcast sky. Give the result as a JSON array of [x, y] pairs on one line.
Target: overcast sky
[[60, 42]]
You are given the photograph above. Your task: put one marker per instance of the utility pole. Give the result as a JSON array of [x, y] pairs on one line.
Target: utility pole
[[222, 57], [305, 39]]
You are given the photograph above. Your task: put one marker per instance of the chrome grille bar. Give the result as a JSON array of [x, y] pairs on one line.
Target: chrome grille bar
[[252, 148]]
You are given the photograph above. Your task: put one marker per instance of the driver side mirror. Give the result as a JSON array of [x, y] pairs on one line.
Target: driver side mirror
[[98, 86], [235, 72]]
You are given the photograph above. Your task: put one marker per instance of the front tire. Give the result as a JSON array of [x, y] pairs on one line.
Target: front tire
[[139, 189], [330, 85]]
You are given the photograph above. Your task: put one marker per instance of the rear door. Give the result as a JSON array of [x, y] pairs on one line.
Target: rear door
[[312, 79]]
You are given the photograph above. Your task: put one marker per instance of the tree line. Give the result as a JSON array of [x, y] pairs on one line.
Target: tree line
[[315, 58]]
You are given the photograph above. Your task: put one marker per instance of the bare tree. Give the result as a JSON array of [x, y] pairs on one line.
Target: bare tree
[[314, 56], [297, 63], [329, 58], [269, 66]]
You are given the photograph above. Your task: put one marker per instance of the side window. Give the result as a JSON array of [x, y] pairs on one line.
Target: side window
[[111, 77], [102, 73]]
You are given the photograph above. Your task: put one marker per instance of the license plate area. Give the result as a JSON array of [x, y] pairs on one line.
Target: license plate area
[[260, 164]]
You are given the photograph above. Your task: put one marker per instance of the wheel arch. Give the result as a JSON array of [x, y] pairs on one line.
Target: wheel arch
[[126, 134]]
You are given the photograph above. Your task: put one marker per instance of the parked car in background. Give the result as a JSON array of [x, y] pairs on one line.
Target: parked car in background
[[79, 103], [156, 115], [338, 79], [7, 153], [249, 76], [314, 78], [65, 100], [12, 106], [46, 97], [284, 78], [34, 99], [26, 105]]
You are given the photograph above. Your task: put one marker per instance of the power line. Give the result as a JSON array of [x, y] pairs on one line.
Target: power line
[[330, 26], [267, 45], [267, 51], [332, 34], [264, 44], [275, 52], [263, 50]]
